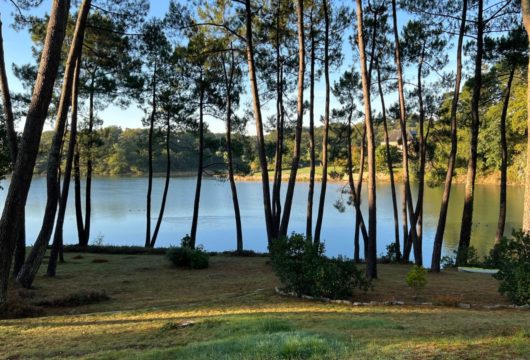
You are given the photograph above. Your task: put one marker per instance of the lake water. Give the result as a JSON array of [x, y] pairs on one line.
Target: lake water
[[119, 214]]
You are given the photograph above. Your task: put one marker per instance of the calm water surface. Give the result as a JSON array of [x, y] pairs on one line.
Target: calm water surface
[[118, 217]]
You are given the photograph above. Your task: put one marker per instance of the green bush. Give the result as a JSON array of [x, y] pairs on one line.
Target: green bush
[[512, 258], [199, 259], [417, 279], [303, 269], [185, 256], [393, 253]]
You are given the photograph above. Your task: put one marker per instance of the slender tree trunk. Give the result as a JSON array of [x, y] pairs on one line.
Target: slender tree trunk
[[229, 79], [504, 163], [354, 193], [525, 5], [77, 197], [20, 249], [10, 222], [276, 189], [32, 264], [150, 163], [299, 120], [371, 259], [271, 233], [407, 197], [324, 180], [390, 165], [356, 255], [418, 220], [58, 235], [312, 156], [166, 183], [89, 163], [442, 219], [200, 167], [467, 213]]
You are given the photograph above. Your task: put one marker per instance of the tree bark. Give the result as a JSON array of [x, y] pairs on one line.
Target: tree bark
[[150, 163], [324, 180], [442, 219], [32, 264], [63, 201], [355, 194], [77, 197], [407, 206], [356, 255], [371, 258], [89, 163], [467, 213], [389, 165], [299, 121], [276, 189], [20, 248], [200, 168], [504, 162], [525, 6], [271, 233], [166, 183], [312, 156]]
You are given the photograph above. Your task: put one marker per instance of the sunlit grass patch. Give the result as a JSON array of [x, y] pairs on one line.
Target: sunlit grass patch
[[276, 345]]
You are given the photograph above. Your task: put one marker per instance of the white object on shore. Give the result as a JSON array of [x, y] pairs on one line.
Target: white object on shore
[[477, 270]]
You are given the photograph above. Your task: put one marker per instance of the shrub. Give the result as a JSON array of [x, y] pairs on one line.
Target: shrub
[[392, 254], [303, 269], [512, 258], [185, 256], [417, 279], [199, 259]]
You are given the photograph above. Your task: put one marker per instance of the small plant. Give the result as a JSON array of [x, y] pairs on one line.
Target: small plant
[[303, 269], [512, 257], [185, 256], [392, 254], [98, 241], [417, 279], [448, 261]]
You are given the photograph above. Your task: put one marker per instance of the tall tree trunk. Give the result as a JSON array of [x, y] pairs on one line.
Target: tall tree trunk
[[504, 163], [525, 6], [312, 156], [13, 213], [418, 219], [32, 264], [229, 79], [58, 235], [89, 163], [324, 179], [150, 163], [166, 183], [276, 189], [389, 165], [356, 255], [77, 197], [442, 219], [20, 248], [371, 259], [271, 233], [407, 197], [467, 213], [354, 193], [299, 120], [200, 168]]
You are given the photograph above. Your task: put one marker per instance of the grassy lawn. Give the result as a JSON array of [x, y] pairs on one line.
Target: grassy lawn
[[230, 311]]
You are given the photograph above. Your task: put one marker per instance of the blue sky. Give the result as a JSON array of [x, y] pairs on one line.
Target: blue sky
[[17, 48]]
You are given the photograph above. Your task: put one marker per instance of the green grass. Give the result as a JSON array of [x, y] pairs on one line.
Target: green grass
[[232, 312]]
